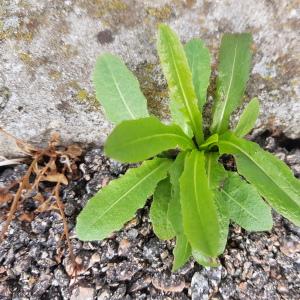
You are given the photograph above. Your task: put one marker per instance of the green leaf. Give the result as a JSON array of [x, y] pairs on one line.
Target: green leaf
[[248, 118], [118, 90], [181, 252], [199, 211], [176, 69], [175, 214], [117, 203], [159, 211], [209, 142], [137, 140], [216, 175], [199, 61], [271, 177], [246, 207], [204, 260], [233, 73]]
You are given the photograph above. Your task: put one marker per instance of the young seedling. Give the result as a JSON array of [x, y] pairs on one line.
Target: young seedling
[[194, 197]]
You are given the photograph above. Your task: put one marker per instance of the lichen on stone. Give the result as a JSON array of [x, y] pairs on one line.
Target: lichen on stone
[[155, 91]]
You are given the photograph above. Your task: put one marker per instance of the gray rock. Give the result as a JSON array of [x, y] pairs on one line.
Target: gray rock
[[227, 288], [41, 286], [48, 50], [199, 287], [104, 294], [83, 293], [119, 293], [294, 158]]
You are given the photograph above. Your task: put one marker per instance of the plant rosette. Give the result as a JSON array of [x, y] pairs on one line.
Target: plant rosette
[[194, 197]]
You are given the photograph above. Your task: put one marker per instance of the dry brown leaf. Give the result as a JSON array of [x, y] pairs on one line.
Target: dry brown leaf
[[52, 165], [26, 148], [44, 207], [54, 139], [39, 197], [44, 167], [8, 162], [26, 217], [6, 197], [73, 151], [36, 169], [58, 177]]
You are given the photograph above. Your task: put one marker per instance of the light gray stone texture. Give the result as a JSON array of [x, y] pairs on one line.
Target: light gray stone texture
[[48, 50]]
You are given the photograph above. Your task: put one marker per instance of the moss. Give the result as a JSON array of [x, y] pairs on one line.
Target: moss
[[55, 75], [81, 95], [5, 94], [99, 8], [69, 50], [156, 94], [25, 58], [28, 24], [160, 13], [21, 35]]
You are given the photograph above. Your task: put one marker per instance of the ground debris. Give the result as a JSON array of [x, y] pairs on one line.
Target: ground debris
[[133, 263], [53, 165]]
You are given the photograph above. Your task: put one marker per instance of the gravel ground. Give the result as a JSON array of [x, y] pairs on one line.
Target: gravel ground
[[133, 263]]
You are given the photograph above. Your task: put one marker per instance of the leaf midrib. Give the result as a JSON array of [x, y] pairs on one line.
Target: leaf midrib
[[196, 198], [119, 91], [229, 88], [262, 170], [239, 204], [125, 194], [158, 135], [182, 91]]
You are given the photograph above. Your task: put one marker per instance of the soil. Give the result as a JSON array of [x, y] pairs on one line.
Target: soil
[[133, 263]]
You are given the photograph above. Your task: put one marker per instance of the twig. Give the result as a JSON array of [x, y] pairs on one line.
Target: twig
[[23, 146], [6, 162], [17, 197], [66, 229], [41, 174]]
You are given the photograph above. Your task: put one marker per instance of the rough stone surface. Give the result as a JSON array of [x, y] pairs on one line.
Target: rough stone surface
[[48, 49]]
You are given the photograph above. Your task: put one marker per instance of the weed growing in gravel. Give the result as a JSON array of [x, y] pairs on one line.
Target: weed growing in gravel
[[194, 196]]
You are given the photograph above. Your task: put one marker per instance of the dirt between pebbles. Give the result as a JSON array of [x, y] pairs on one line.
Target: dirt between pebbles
[[133, 263]]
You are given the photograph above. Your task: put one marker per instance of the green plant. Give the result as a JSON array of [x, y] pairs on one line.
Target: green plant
[[194, 196]]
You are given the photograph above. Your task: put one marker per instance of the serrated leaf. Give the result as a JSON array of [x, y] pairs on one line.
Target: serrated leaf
[[118, 90], [248, 118], [176, 70], [271, 177], [159, 212], [233, 74], [246, 207], [199, 211], [175, 214], [137, 140], [117, 203], [181, 252], [199, 61]]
